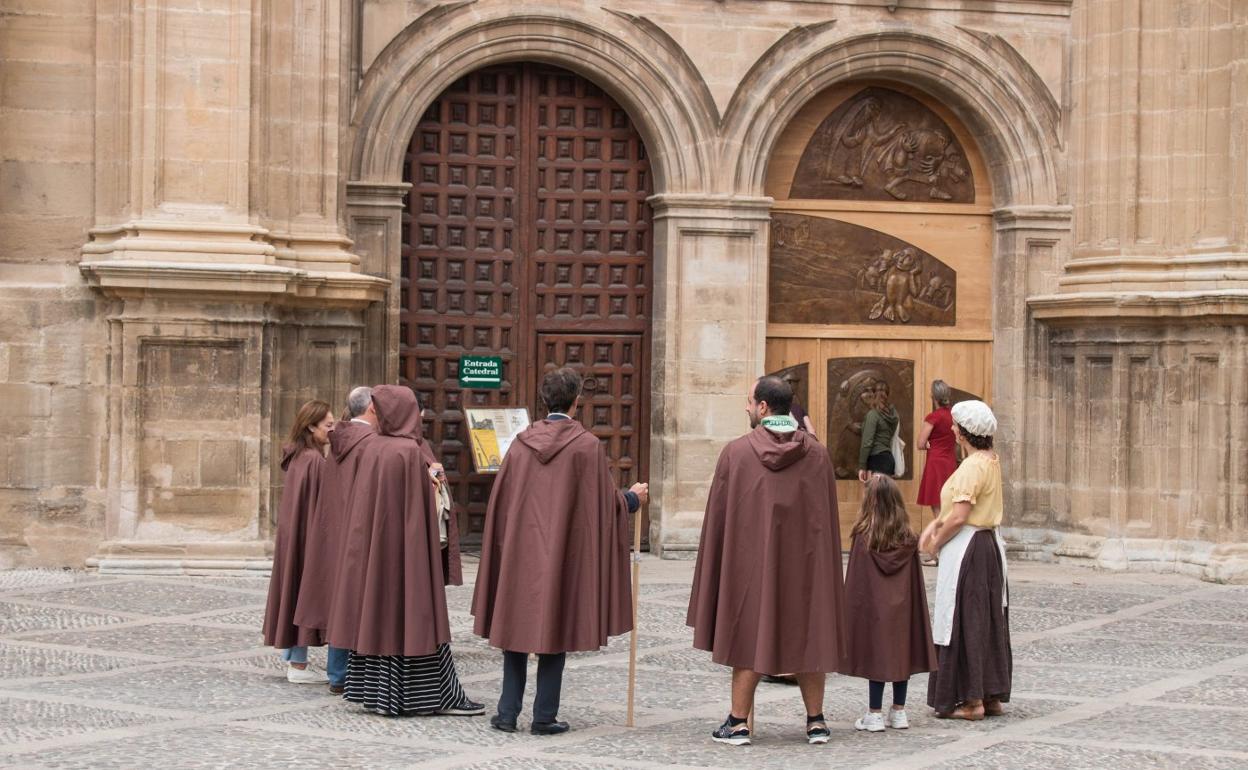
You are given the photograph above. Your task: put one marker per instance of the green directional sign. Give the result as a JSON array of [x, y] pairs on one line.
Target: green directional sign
[[480, 372]]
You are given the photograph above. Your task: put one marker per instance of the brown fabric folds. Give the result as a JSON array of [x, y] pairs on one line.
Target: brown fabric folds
[[554, 559], [978, 662], [299, 496], [767, 588], [327, 526], [889, 630], [389, 596]]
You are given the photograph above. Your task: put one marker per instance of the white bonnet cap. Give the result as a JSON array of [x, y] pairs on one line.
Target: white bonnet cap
[[976, 417]]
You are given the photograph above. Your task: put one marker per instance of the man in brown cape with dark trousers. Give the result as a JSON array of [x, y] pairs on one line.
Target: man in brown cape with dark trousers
[[767, 588], [389, 599], [554, 560], [327, 525]]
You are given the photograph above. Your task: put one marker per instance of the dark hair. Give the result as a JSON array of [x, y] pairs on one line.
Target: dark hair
[[309, 414], [775, 392], [979, 442], [560, 389], [882, 519]]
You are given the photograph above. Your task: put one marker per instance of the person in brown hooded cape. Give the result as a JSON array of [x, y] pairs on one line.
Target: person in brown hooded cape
[[327, 525], [890, 633], [767, 592], [389, 598], [303, 458], [554, 559]]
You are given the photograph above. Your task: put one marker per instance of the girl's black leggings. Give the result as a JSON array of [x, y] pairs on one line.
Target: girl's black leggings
[[876, 691]]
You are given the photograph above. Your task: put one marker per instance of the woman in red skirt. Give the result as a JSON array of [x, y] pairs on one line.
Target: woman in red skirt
[[936, 438]]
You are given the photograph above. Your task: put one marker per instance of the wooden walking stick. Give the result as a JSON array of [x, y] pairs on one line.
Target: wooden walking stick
[[632, 645]]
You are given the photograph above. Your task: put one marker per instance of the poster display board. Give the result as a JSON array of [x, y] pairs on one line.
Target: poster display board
[[491, 432]]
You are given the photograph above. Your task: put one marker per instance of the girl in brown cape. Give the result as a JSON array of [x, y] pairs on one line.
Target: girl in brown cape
[[303, 459], [890, 636]]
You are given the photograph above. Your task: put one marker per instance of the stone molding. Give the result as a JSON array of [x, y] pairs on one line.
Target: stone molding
[[128, 279], [124, 557], [1214, 562], [1117, 308]]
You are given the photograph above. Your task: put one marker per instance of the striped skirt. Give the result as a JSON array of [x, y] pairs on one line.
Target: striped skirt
[[396, 685]]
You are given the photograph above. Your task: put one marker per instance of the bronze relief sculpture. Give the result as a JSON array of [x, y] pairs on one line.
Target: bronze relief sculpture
[[881, 144], [825, 271], [853, 384]]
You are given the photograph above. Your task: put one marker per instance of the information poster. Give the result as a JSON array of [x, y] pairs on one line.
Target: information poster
[[491, 432]]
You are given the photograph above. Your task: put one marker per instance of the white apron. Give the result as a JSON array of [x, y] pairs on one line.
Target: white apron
[[951, 555]]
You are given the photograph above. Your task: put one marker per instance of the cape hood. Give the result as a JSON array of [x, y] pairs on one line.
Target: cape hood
[[398, 413], [777, 451], [345, 436], [892, 561], [548, 437]]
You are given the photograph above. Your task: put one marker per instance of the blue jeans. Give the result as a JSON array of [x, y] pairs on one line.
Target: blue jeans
[[336, 666], [295, 655]]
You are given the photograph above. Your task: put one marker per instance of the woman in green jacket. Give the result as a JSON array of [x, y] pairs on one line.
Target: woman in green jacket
[[875, 455]]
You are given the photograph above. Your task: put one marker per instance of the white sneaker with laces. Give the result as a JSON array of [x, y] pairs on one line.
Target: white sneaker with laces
[[872, 722], [307, 675], [897, 719]]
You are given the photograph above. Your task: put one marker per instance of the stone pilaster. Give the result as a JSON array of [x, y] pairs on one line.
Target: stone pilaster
[[710, 325]]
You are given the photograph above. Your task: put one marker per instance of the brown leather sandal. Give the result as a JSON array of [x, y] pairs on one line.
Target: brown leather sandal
[[972, 711], [993, 708]]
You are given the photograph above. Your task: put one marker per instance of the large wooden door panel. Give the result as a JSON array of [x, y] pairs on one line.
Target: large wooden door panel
[[527, 215]]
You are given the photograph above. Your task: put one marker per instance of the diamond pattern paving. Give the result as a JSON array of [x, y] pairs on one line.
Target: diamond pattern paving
[[169, 672]]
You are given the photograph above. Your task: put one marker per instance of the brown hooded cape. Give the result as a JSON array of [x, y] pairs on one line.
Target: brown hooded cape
[[389, 597], [890, 633], [299, 498], [767, 588], [554, 558], [328, 523]]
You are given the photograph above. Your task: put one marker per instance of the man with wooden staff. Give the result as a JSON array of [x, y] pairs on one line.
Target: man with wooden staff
[[554, 556], [767, 588]]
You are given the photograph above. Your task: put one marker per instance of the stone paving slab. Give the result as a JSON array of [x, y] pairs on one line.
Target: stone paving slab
[[23, 661], [24, 618], [1046, 756], [1110, 671], [25, 719], [228, 746], [171, 640]]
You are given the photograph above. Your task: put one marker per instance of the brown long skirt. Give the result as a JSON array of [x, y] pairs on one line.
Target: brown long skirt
[[978, 662]]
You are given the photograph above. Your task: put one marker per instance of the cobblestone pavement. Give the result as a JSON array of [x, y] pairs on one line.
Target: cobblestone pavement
[[1111, 670]]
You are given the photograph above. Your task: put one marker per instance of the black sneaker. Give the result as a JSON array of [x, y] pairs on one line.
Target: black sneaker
[[549, 728], [733, 735], [499, 723], [817, 733], [467, 708]]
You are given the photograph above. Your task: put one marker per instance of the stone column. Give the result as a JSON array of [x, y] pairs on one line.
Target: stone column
[[710, 327], [375, 221], [234, 295], [1145, 336]]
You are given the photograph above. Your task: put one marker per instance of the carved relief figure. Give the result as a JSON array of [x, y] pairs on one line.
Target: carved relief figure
[[853, 385], [861, 132], [825, 271], [901, 285], [881, 144]]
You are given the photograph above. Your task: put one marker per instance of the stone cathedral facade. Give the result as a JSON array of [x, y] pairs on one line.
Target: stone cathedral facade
[[214, 210]]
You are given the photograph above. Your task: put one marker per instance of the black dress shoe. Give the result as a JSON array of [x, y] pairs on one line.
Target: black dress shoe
[[549, 728], [498, 723], [337, 689]]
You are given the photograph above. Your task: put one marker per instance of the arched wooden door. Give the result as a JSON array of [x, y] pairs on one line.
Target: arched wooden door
[[527, 236]]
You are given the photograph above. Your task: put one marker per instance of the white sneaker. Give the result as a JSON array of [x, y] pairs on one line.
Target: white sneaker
[[897, 719], [307, 675], [872, 722]]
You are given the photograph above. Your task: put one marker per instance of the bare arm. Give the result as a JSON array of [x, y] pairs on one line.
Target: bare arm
[[940, 532], [810, 426], [925, 433]]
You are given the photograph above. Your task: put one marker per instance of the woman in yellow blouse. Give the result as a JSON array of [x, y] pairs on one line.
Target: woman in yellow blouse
[[970, 621]]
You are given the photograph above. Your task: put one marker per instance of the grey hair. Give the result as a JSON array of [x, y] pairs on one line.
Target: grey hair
[[358, 400], [941, 393]]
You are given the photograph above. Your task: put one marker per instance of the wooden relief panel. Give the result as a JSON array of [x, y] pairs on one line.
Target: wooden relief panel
[[798, 377], [881, 145], [853, 386], [825, 271], [960, 395]]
